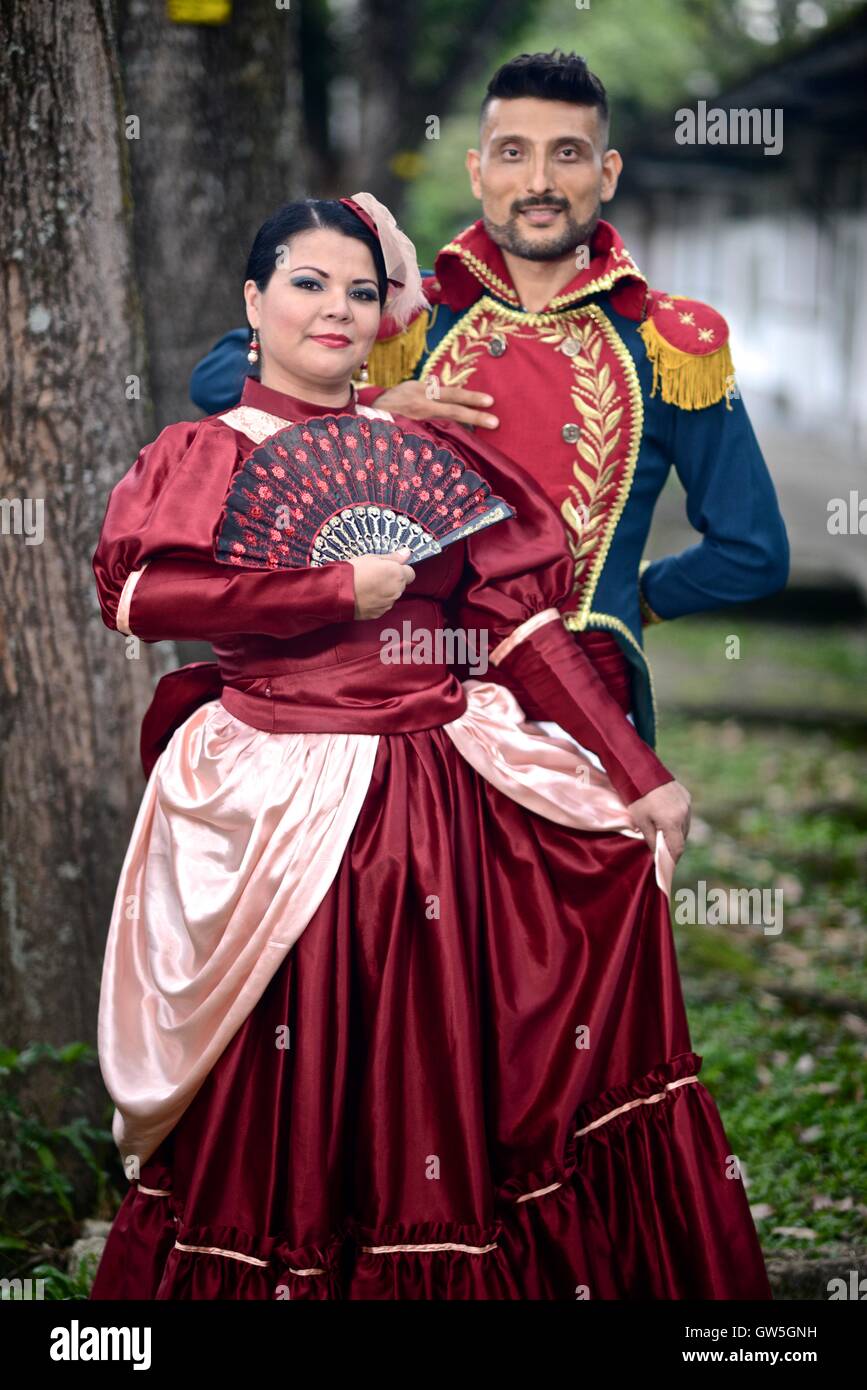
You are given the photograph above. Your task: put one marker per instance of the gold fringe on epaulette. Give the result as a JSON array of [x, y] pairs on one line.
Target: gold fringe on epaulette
[[686, 379], [393, 360]]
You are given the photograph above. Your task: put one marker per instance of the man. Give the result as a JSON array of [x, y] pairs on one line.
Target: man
[[543, 331]]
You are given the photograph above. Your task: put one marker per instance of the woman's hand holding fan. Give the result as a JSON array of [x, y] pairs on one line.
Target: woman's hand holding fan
[[379, 581]]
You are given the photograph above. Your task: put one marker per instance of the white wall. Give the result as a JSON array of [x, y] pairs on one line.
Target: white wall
[[793, 287]]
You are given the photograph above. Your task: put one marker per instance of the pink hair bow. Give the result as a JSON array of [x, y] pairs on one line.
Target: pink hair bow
[[401, 264]]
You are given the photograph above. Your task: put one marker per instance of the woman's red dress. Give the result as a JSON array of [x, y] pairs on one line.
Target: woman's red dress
[[498, 1099]]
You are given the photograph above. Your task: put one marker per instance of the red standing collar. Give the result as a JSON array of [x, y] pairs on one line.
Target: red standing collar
[[290, 407], [473, 264]]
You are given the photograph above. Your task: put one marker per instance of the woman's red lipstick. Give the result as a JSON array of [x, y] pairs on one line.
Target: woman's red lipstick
[[334, 340]]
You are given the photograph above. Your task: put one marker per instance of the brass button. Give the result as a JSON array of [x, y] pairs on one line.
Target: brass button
[[571, 347], [497, 345], [571, 432]]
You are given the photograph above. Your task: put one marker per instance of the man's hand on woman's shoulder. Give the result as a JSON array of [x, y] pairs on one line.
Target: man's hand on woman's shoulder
[[456, 403]]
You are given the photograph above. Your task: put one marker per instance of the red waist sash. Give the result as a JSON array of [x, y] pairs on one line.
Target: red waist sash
[[336, 680]]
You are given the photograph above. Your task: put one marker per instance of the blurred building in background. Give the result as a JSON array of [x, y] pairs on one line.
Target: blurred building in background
[[778, 243]]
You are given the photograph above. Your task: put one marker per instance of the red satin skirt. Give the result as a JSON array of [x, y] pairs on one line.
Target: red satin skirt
[[471, 1078]]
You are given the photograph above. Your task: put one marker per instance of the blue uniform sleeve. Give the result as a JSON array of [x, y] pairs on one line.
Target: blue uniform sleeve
[[218, 380], [731, 501]]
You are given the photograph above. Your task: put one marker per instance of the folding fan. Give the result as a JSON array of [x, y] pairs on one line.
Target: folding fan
[[331, 488]]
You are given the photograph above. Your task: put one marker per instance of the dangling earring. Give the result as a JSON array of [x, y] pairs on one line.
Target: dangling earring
[[362, 375], [253, 354]]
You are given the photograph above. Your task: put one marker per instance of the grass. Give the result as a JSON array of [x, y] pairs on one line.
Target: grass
[[801, 670], [778, 807]]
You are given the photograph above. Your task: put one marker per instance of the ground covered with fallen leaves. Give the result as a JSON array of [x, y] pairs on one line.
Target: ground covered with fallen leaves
[[773, 748]]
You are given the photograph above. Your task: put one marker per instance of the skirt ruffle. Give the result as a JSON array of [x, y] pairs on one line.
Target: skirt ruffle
[[639, 1208]]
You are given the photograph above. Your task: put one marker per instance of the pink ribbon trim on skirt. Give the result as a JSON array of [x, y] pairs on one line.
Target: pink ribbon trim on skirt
[[551, 776]]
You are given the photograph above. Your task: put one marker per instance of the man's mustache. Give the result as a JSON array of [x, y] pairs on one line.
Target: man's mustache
[[559, 206]]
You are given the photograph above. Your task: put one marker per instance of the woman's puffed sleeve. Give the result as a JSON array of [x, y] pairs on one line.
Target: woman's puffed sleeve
[[154, 565], [518, 576]]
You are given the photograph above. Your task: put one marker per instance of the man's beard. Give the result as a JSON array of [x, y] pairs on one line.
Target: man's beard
[[507, 236]]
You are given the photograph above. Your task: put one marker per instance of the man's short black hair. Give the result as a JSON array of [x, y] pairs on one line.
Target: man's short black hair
[[548, 77]]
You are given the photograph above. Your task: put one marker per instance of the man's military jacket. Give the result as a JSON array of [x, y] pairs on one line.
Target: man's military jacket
[[598, 396]]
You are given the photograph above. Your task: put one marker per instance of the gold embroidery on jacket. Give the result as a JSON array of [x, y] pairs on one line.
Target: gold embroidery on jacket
[[483, 273], [605, 387], [469, 338]]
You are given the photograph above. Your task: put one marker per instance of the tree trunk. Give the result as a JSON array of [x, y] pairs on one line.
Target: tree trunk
[[215, 151], [70, 700]]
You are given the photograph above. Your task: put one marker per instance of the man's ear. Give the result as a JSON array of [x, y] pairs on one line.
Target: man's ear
[[612, 164], [473, 163]]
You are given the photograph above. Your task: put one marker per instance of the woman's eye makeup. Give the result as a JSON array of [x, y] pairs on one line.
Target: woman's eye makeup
[[304, 283]]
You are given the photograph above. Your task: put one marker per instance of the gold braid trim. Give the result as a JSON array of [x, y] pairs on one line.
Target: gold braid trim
[[483, 273], [393, 360], [687, 380], [491, 281], [604, 282]]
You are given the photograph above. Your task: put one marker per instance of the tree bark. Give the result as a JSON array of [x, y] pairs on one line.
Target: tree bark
[[70, 700], [217, 151]]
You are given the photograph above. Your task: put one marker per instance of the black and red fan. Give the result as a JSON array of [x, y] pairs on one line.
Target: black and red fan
[[331, 488]]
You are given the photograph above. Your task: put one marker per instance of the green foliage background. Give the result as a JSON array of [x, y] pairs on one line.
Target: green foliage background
[[652, 55]]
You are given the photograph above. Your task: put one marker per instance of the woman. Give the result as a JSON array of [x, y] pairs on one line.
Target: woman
[[390, 1006]]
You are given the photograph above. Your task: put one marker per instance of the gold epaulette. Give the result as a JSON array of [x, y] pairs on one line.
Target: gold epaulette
[[688, 345], [393, 360]]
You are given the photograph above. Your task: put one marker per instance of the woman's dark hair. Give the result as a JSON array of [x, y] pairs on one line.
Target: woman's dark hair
[[552, 76], [306, 215]]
